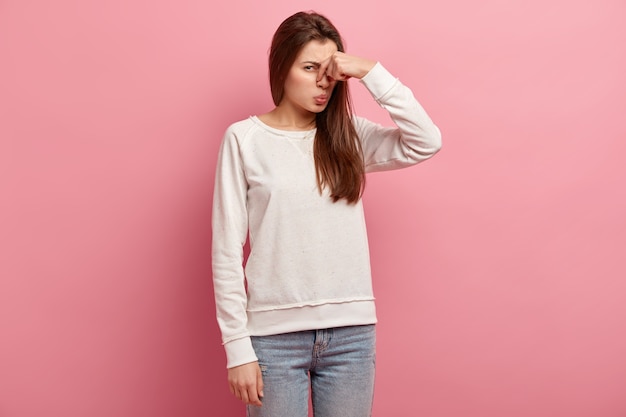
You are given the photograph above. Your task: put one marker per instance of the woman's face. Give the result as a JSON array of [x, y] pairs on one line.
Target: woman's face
[[302, 90]]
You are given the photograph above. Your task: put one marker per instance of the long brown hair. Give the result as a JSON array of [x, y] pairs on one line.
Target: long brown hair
[[337, 150]]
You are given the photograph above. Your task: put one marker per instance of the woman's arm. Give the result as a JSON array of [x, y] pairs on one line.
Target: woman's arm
[[415, 139], [230, 229]]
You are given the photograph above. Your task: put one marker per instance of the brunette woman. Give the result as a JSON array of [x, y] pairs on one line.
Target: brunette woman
[[300, 316]]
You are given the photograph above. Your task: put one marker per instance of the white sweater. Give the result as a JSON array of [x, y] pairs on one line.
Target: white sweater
[[308, 266]]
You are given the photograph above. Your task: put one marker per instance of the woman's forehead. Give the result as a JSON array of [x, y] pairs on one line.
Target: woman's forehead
[[317, 51]]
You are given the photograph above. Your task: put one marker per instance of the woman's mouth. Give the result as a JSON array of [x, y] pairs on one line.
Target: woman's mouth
[[323, 99]]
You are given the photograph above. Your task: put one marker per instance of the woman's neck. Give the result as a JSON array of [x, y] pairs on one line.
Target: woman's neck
[[286, 119]]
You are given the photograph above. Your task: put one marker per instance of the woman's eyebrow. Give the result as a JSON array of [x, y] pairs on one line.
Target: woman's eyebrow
[[315, 63]]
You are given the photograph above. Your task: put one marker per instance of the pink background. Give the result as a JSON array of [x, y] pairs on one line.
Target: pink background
[[499, 265]]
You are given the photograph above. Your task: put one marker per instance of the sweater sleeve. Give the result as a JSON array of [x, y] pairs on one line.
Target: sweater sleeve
[[230, 228], [415, 139]]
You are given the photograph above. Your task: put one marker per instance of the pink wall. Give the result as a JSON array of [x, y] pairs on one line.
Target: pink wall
[[499, 264]]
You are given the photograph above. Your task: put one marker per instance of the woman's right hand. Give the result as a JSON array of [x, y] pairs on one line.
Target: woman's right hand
[[246, 383]]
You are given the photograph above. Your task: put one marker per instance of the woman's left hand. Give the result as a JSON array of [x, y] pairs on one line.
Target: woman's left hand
[[340, 67]]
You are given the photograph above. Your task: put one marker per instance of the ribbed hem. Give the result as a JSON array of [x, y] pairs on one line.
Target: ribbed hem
[[379, 81], [238, 352], [352, 313]]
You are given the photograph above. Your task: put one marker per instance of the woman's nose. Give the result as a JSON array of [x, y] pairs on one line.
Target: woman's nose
[[324, 82]]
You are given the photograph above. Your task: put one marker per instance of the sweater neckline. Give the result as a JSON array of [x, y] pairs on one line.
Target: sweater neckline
[[293, 134]]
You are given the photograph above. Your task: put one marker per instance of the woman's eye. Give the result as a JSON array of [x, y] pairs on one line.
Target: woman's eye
[[308, 67]]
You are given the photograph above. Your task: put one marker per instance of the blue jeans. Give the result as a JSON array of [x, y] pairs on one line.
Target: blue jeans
[[336, 365]]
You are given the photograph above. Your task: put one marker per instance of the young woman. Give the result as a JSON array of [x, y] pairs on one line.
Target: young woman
[[300, 316]]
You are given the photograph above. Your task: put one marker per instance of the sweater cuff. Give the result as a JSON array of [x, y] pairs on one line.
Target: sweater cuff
[[239, 352], [378, 81]]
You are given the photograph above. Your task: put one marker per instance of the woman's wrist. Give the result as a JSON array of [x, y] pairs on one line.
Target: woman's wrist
[[365, 66]]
